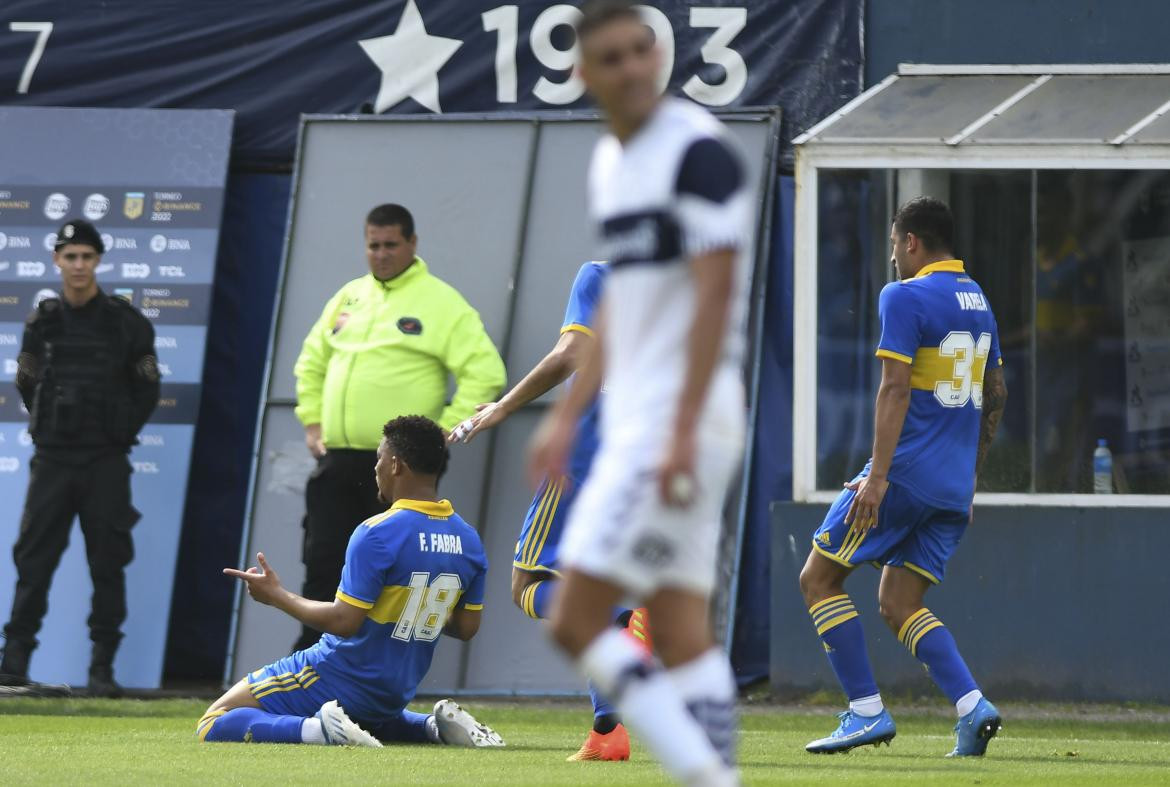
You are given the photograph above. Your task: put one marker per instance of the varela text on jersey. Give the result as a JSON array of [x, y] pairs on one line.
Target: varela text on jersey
[[440, 542], [972, 301]]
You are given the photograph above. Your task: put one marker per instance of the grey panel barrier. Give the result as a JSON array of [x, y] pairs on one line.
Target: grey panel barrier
[[1045, 603], [499, 204]]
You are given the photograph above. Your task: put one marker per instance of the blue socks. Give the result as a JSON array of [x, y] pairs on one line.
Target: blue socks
[[249, 725], [931, 643], [536, 602], [840, 631]]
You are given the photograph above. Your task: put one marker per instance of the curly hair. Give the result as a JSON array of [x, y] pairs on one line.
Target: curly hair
[[419, 442]]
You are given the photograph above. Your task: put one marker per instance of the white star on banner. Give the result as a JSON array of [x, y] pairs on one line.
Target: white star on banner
[[409, 60]]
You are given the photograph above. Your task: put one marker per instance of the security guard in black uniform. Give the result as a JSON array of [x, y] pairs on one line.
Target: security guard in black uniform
[[88, 375]]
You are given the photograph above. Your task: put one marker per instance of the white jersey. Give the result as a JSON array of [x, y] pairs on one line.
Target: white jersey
[[674, 190]]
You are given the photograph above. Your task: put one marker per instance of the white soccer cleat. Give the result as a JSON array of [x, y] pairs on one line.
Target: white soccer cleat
[[341, 730], [457, 727]]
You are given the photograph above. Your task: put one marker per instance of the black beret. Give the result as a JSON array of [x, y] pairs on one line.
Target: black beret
[[81, 232]]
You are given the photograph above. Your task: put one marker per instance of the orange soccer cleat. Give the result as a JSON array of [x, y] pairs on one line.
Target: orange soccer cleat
[[638, 629], [613, 746]]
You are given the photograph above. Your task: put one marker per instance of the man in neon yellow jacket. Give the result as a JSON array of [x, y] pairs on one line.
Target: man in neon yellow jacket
[[384, 346]]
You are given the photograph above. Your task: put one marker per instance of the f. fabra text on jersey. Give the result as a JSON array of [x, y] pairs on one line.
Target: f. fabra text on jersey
[[440, 542]]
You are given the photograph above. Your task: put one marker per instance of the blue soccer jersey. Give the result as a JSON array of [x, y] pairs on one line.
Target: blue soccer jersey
[[409, 568], [581, 315], [540, 535], [940, 323]]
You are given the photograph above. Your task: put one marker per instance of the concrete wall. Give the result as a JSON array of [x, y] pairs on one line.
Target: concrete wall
[[1013, 31], [1046, 603]]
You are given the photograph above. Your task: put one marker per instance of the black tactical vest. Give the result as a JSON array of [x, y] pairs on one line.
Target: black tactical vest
[[83, 398]]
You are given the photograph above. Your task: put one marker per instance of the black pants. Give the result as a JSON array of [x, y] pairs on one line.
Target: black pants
[[97, 491], [340, 495]]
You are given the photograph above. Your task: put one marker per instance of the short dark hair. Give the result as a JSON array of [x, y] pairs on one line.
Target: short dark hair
[[419, 442], [596, 14], [391, 215], [931, 222]]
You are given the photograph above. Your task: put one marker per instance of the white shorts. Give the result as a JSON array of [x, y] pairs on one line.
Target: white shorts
[[619, 529]]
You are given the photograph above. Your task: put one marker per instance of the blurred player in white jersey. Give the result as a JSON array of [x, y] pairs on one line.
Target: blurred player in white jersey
[[667, 195]]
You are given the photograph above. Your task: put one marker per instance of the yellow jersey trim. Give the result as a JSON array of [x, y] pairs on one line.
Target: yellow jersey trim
[[579, 328], [942, 266], [441, 508], [536, 568], [355, 602], [896, 356], [391, 601], [473, 607]]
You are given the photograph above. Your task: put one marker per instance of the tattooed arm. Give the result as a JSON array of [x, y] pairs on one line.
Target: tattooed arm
[[994, 399]]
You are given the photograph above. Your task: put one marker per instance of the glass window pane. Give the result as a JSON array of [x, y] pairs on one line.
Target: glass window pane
[[993, 235], [1103, 328], [852, 225]]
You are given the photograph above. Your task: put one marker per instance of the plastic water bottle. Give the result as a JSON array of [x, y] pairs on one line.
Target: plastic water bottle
[[1102, 469]]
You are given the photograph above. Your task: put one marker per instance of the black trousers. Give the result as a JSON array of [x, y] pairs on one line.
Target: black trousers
[[97, 491], [340, 495]]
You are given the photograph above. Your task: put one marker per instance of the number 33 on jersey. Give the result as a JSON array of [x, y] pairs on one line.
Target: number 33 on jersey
[[941, 324]]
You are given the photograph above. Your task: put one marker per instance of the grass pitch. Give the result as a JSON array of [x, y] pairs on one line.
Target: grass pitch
[[135, 742]]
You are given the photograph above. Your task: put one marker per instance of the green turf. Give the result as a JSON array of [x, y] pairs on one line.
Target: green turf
[[135, 742]]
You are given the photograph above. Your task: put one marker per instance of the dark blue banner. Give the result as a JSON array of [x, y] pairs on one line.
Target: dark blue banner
[[271, 61]]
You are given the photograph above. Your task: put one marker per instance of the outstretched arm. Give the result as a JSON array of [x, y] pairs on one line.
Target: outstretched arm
[[336, 617], [552, 370], [994, 401]]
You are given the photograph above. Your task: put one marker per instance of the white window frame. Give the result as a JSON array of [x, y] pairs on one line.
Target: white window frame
[[813, 155]]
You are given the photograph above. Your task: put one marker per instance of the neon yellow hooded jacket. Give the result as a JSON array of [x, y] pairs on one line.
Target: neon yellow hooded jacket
[[385, 349]]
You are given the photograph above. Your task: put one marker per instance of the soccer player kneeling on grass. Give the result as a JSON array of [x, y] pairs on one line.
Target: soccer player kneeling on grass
[[411, 574]]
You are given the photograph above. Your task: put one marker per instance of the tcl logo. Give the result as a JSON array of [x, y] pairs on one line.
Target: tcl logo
[[30, 269], [135, 270], [149, 468], [9, 464]]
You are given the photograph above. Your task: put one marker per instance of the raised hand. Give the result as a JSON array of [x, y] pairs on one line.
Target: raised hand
[[263, 583]]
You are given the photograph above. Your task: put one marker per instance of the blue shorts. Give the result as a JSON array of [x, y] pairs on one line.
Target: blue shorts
[[910, 533], [541, 534], [292, 687]]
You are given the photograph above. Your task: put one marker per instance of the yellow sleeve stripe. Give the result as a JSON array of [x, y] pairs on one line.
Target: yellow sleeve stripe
[[473, 607], [896, 356], [579, 328], [357, 602]]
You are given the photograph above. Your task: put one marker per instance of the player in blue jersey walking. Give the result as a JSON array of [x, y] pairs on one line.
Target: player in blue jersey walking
[[940, 400], [534, 567], [411, 574]]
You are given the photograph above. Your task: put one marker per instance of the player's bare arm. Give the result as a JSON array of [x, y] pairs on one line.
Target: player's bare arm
[[552, 370], [893, 400], [336, 617], [714, 276], [994, 401], [549, 450], [464, 623]]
